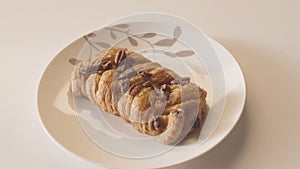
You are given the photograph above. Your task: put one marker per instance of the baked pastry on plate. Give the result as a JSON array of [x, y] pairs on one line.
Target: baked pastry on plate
[[154, 100]]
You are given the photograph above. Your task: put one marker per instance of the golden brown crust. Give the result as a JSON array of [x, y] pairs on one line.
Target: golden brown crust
[[151, 98]]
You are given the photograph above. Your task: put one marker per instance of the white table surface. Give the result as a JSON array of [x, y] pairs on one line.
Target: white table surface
[[263, 35]]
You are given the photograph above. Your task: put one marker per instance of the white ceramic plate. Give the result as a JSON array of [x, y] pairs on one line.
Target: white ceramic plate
[[174, 47], [60, 121]]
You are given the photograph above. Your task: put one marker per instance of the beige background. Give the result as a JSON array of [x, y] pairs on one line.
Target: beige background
[[263, 35]]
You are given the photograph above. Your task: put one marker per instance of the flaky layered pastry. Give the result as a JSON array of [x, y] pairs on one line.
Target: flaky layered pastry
[[154, 100]]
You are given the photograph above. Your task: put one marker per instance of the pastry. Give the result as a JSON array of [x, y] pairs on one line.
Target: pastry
[[154, 100]]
